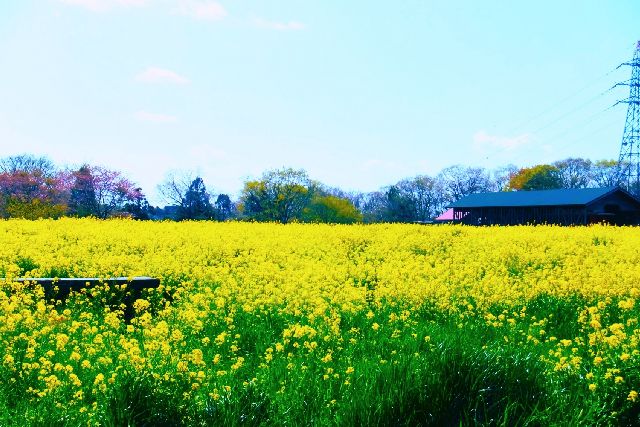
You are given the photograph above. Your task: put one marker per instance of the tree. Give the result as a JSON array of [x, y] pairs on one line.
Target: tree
[[458, 181], [502, 176], [113, 191], [224, 208], [425, 195], [540, 177], [175, 186], [28, 163], [280, 195], [374, 207], [83, 201], [604, 173], [196, 203], [400, 206], [31, 187], [139, 207], [331, 209], [574, 172], [102, 192]]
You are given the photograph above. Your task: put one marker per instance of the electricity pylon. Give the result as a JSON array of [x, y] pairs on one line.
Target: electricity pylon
[[629, 161]]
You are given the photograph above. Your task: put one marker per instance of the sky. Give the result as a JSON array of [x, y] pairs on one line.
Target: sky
[[360, 94]]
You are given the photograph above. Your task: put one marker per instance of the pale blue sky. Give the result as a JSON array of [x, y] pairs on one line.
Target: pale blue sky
[[359, 93]]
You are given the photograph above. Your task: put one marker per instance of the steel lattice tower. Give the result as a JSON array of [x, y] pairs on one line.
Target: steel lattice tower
[[629, 161]]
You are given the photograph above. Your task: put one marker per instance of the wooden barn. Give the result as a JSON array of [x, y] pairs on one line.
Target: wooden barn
[[576, 206]]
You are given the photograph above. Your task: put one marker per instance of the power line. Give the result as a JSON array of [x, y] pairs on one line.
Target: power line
[[630, 48], [562, 101], [559, 148], [564, 116], [569, 113], [594, 132]]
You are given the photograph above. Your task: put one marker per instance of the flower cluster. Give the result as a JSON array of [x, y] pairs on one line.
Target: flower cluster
[[283, 308]]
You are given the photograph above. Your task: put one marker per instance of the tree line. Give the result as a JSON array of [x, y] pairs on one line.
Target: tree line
[[34, 187]]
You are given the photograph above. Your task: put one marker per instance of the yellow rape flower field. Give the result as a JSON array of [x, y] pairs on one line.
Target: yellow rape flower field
[[268, 324]]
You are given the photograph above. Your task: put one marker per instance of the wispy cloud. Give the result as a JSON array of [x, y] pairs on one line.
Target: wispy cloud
[[104, 5], [136, 3], [483, 140], [206, 10], [145, 116], [160, 75], [278, 26]]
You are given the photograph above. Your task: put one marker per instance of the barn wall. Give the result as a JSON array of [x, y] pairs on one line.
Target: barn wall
[[616, 208], [563, 215], [625, 203]]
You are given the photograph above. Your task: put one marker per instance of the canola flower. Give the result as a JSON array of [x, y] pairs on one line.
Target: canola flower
[[248, 310]]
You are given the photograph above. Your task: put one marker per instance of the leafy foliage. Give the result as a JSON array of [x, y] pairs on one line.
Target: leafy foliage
[[281, 195], [541, 177], [332, 210]]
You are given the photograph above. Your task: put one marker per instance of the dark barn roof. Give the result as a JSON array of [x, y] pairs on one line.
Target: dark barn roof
[[564, 197]]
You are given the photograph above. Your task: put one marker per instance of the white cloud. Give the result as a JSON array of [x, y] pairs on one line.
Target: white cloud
[[206, 10], [145, 116], [279, 26], [484, 141], [93, 5], [134, 3], [160, 75], [104, 5]]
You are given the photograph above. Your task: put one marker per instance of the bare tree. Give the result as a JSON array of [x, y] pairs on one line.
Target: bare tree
[[28, 163], [458, 181], [574, 172], [373, 206], [501, 177], [425, 194], [175, 186], [604, 173]]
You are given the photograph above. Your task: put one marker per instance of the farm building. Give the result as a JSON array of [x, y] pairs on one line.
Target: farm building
[[574, 206]]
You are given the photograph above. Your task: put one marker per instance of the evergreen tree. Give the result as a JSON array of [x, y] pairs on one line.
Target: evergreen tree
[[83, 201], [196, 203], [224, 207]]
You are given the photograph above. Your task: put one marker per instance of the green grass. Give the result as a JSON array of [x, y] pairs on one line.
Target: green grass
[[467, 373]]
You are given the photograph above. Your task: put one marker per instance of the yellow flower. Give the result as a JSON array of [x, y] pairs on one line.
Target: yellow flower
[[141, 305], [8, 359], [592, 387], [633, 395], [99, 379]]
